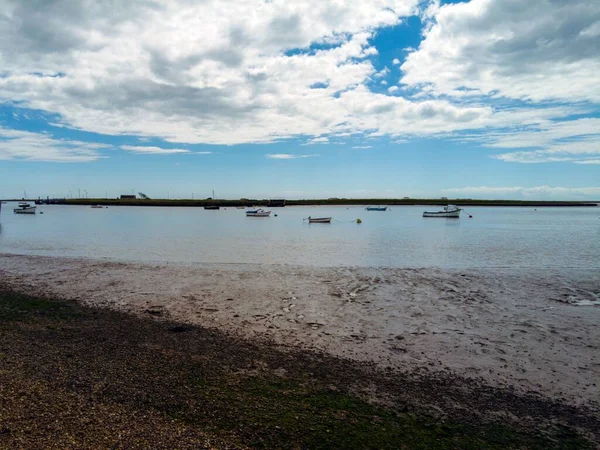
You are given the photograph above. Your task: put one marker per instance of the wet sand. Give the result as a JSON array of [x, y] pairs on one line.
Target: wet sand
[[533, 331]]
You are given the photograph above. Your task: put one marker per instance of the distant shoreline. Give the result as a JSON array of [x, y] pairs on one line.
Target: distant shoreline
[[314, 202]]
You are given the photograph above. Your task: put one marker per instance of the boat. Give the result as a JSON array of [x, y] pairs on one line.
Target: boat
[[212, 207], [376, 208], [319, 219], [450, 211], [258, 213], [25, 208], [96, 206]]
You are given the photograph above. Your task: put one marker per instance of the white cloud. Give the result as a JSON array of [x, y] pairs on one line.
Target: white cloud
[[382, 73], [153, 150], [536, 50], [318, 140], [384, 82], [588, 161], [28, 146], [288, 156], [551, 141], [149, 69], [537, 192], [363, 146]]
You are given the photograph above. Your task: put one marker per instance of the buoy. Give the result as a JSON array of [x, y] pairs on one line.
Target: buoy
[[470, 216], [275, 215], [358, 221]]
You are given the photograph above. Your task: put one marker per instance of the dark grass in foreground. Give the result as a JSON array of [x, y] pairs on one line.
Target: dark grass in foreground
[[76, 377]]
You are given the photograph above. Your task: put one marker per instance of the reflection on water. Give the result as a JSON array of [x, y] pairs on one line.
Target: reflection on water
[[494, 237]]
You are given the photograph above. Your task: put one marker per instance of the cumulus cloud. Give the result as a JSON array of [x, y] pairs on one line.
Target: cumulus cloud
[[288, 156], [141, 149], [235, 72], [537, 192], [539, 50], [28, 146], [363, 146]]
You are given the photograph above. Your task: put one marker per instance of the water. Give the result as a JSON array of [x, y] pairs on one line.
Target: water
[[494, 237]]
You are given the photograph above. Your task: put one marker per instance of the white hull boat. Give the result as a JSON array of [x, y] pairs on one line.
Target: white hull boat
[[319, 220], [25, 208], [450, 211], [258, 213]]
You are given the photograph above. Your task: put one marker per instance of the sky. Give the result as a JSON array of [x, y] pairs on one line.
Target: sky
[[303, 99]]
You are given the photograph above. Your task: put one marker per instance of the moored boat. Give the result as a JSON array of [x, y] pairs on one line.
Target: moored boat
[[25, 208], [96, 206], [376, 208], [450, 211], [258, 213], [319, 219], [212, 207]]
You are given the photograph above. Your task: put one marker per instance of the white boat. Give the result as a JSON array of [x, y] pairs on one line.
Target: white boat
[[258, 213], [25, 208], [319, 219], [450, 211]]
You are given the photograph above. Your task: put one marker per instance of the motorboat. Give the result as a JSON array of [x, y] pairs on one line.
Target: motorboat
[[450, 211], [258, 213], [376, 208], [25, 208]]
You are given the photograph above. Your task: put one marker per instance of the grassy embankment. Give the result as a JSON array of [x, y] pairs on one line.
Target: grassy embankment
[[308, 202], [77, 377]]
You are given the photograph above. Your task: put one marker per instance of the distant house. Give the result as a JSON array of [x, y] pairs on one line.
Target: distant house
[[128, 197]]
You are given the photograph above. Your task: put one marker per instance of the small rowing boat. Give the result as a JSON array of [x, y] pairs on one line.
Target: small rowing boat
[[258, 213], [450, 211], [376, 208], [212, 207], [96, 206], [319, 219]]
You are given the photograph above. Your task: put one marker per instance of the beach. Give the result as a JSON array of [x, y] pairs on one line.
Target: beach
[[533, 332]]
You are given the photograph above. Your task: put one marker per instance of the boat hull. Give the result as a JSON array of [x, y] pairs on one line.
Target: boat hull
[[28, 210], [320, 220], [377, 208], [447, 214], [258, 213]]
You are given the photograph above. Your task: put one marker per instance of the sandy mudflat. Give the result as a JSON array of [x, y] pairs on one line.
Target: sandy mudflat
[[533, 331]]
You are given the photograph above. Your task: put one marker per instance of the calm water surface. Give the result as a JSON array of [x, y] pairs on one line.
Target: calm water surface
[[494, 237]]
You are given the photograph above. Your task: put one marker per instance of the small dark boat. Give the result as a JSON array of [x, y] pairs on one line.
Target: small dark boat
[[212, 207]]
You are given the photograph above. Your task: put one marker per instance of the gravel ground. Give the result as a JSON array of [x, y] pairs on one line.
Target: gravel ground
[[80, 377]]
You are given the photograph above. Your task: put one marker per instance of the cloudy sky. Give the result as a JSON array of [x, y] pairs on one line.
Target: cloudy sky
[[311, 98]]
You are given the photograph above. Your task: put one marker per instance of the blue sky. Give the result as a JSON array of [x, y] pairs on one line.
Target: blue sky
[[406, 98]]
